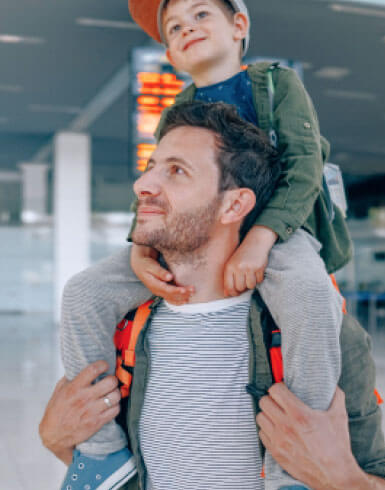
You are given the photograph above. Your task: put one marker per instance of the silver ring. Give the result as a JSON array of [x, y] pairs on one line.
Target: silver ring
[[107, 401]]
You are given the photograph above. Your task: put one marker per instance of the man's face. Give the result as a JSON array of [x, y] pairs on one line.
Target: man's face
[[178, 199], [198, 33]]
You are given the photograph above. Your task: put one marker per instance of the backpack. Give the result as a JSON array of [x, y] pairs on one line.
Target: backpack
[[128, 330]]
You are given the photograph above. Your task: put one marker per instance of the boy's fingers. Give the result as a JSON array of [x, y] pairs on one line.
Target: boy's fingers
[[159, 272], [161, 288], [251, 280], [90, 373], [240, 282], [260, 275], [230, 283]]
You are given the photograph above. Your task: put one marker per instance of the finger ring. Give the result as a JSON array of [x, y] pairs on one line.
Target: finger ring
[[107, 401]]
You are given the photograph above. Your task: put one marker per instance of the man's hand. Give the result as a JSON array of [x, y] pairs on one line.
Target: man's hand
[[312, 445], [145, 265], [77, 410], [247, 266]]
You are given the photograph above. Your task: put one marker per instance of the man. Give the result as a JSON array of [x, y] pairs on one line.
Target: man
[[193, 424]]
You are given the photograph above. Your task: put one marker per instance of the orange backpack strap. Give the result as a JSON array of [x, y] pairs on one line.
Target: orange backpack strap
[[126, 336], [141, 315], [334, 281], [275, 352]]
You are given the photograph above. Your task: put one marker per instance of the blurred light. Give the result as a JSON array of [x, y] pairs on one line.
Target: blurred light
[[145, 150], [54, 108], [350, 94], [11, 88], [141, 165], [30, 217], [147, 123], [167, 101], [156, 91], [332, 72], [377, 218], [11, 39], [112, 24], [148, 100], [349, 9]]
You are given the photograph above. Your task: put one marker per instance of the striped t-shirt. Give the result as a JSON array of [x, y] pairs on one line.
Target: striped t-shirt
[[197, 427]]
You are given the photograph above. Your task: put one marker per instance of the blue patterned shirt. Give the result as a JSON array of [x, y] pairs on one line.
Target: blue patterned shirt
[[236, 91]]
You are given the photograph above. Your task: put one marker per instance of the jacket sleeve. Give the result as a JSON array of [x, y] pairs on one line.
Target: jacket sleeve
[[358, 382], [299, 146]]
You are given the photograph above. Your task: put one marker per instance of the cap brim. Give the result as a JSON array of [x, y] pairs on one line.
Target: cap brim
[[145, 14]]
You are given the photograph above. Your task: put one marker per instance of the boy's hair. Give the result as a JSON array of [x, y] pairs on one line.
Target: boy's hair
[[226, 3], [244, 155]]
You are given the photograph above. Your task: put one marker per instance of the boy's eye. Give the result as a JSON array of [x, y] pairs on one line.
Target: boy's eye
[[175, 28], [201, 15]]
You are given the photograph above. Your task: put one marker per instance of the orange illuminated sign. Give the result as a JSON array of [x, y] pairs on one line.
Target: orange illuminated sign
[[156, 91]]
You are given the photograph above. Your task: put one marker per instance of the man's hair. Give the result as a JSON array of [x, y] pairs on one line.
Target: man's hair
[[245, 156]]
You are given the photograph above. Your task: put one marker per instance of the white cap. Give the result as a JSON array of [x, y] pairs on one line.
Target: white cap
[[238, 6]]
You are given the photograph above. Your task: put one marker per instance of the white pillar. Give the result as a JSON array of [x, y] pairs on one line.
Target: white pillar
[[34, 191], [72, 183]]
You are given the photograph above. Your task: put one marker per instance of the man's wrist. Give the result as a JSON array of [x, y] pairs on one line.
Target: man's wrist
[[355, 479], [64, 454]]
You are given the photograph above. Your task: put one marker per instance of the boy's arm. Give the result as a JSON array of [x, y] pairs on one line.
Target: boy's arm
[[299, 146]]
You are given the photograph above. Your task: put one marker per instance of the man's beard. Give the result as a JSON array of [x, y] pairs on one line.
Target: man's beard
[[182, 233]]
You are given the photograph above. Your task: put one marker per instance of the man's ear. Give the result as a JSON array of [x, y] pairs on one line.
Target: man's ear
[[168, 55], [241, 25], [236, 205]]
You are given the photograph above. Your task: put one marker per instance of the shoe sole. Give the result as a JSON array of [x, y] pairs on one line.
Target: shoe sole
[[123, 474]]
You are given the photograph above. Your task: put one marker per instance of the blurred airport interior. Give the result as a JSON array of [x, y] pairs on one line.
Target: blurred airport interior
[[81, 91]]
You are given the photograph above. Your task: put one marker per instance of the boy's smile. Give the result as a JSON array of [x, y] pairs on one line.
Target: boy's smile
[[192, 42], [202, 35]]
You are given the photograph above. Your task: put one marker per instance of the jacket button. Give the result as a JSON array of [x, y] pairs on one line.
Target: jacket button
[[307, 125]]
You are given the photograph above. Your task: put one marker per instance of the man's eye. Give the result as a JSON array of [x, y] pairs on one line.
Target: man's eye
[[175, 169], [201, 15]]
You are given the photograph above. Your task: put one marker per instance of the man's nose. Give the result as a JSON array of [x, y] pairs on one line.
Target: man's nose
[[147, 185]]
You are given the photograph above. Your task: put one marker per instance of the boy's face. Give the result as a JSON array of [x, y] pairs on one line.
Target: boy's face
[[200, 33]]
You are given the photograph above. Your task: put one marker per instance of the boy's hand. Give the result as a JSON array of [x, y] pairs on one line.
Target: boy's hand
[[247, 266], [145, 265]]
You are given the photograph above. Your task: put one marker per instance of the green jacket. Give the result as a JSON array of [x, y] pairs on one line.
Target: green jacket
[[357, 381], [299, 200]]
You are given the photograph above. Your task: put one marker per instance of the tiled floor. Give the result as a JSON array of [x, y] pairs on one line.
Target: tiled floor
[[29, 357]]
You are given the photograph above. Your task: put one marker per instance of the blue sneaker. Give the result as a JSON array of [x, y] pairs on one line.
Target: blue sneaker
[[107, 473]]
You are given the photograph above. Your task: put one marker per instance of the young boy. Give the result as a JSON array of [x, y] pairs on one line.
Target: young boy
[[279, 255]]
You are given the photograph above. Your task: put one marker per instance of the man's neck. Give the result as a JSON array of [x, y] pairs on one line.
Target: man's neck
[[202, 269], [212, 74]]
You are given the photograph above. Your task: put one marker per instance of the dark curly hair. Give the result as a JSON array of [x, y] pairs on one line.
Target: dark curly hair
[[245, 156]]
